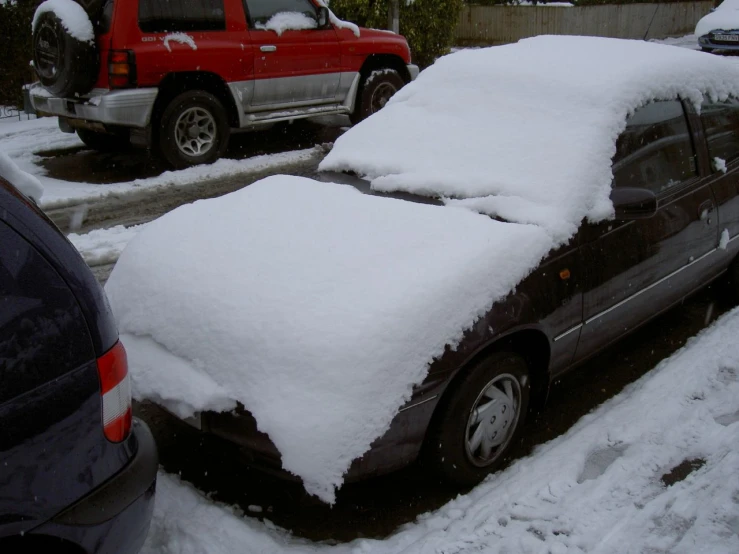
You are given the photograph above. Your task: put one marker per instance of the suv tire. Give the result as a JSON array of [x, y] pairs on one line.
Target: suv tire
[[500, 384], [376, 89], [64, 65], [105, 142], [194, 130]]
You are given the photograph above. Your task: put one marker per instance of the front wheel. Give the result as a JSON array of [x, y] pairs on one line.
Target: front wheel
[[477, 424], [194, 130], [376, 90]]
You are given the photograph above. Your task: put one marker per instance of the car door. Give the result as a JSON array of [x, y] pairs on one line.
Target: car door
[[292, 68], [720, 122], [637, 267]]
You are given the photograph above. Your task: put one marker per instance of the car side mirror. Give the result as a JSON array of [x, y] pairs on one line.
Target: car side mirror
[[323, 17], [633, 203]]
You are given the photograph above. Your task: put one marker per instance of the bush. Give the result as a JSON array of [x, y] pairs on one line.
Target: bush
[[15, 49], [427, 24]]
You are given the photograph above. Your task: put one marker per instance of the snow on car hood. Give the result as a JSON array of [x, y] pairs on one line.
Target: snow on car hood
[[725, 18], [532, 125], [315, 306]]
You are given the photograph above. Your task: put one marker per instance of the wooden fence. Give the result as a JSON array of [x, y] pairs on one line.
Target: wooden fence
[[488, 25]]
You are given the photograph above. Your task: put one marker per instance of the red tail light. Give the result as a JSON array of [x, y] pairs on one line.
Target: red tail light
[[121, 69], [115, 389]]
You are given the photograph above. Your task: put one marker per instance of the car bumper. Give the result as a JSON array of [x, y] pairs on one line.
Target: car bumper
[[115, 517], [413, 71], [127, 108], [708, 41]]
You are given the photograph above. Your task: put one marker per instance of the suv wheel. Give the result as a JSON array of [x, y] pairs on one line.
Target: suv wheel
[[476, 425], [64, 65], [375, 91], [194, 130], [105, 142]]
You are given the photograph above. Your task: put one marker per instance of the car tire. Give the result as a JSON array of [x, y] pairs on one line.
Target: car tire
[[456, 444], [194, 130], [375, 91], [105, 142], [64, 65]]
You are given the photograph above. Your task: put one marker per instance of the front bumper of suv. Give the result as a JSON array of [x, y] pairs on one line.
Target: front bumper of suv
[[413, 71], [126, 108]]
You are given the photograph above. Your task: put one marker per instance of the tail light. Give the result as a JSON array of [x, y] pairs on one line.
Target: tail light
[[121, 69], [115, 389]]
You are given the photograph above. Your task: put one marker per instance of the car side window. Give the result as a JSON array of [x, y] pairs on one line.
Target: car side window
[[655, 151], [43, 333], [167, 16], [721, 126], [261, 11]]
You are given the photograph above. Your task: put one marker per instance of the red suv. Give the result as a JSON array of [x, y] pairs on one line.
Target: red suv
[[178, 76]]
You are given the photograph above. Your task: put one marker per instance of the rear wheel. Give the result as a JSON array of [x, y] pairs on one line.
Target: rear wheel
[[194, 130], [105, 142], [376, 90], [477, 424]]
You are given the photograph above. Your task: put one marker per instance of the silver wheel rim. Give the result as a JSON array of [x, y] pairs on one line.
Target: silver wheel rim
[[195, 132], [493, 420], [382, 95]]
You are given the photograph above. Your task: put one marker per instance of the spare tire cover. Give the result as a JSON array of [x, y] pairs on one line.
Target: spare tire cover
[[65, 65]]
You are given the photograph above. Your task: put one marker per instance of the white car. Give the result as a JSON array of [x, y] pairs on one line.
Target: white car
[[719, 30]]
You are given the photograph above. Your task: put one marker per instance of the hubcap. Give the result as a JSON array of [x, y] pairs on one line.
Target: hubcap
[[493, 420], [382, 94], [195, 132]]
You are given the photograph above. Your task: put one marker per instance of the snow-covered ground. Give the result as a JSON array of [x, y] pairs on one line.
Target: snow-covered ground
[[596, 489]]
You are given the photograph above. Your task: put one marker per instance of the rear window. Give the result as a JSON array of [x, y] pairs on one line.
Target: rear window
[[721, 125], [166, 16]]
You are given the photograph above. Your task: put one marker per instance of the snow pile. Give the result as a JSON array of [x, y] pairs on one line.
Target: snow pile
[[719, 164], [73, 17], [288, 21], [182, 38], [339, 23], [27, 184], [725, 18], [725, 239], [315, 306], [526, 131], [104, 246], [597, 488]]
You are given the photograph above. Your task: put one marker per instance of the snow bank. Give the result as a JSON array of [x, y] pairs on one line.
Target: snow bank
[[27, 184], [315, 306], [596, 489], [725, 18], [530, 128], [288, 21], [104, 246], [73, 17]]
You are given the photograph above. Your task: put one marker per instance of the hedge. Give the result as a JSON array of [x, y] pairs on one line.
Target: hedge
[[15, 50], [427, 24]]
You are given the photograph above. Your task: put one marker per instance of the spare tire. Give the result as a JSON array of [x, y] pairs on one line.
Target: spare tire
[[64, 64]]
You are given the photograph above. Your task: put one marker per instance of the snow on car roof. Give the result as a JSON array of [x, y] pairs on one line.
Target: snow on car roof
[[314, 305], [532, 125], [725, 18]]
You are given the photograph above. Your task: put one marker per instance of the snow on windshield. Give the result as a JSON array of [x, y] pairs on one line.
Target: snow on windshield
[[530, 127], [725, 18], [315, 306], [288, 21], [73, 17]]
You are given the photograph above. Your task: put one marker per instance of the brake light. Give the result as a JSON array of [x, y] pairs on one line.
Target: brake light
[[115, 390], [121, 68]]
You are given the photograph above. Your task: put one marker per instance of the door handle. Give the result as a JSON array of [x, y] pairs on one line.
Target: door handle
[[268, 48]]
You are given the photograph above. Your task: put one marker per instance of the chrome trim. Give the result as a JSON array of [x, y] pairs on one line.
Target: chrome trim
[[128, 108], [645, 289], [563, 335], [413, 70], [429, 399]]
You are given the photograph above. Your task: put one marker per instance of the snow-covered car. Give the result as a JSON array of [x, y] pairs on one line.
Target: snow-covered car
[[719, 30], [512, 212]]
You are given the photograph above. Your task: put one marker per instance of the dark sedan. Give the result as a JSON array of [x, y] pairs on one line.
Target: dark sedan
[[77, 472]]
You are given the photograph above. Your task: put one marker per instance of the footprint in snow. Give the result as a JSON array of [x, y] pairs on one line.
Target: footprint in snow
[[598, 461]]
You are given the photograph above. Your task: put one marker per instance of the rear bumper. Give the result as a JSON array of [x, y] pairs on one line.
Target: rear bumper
[[127, 108], [115, 517]]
